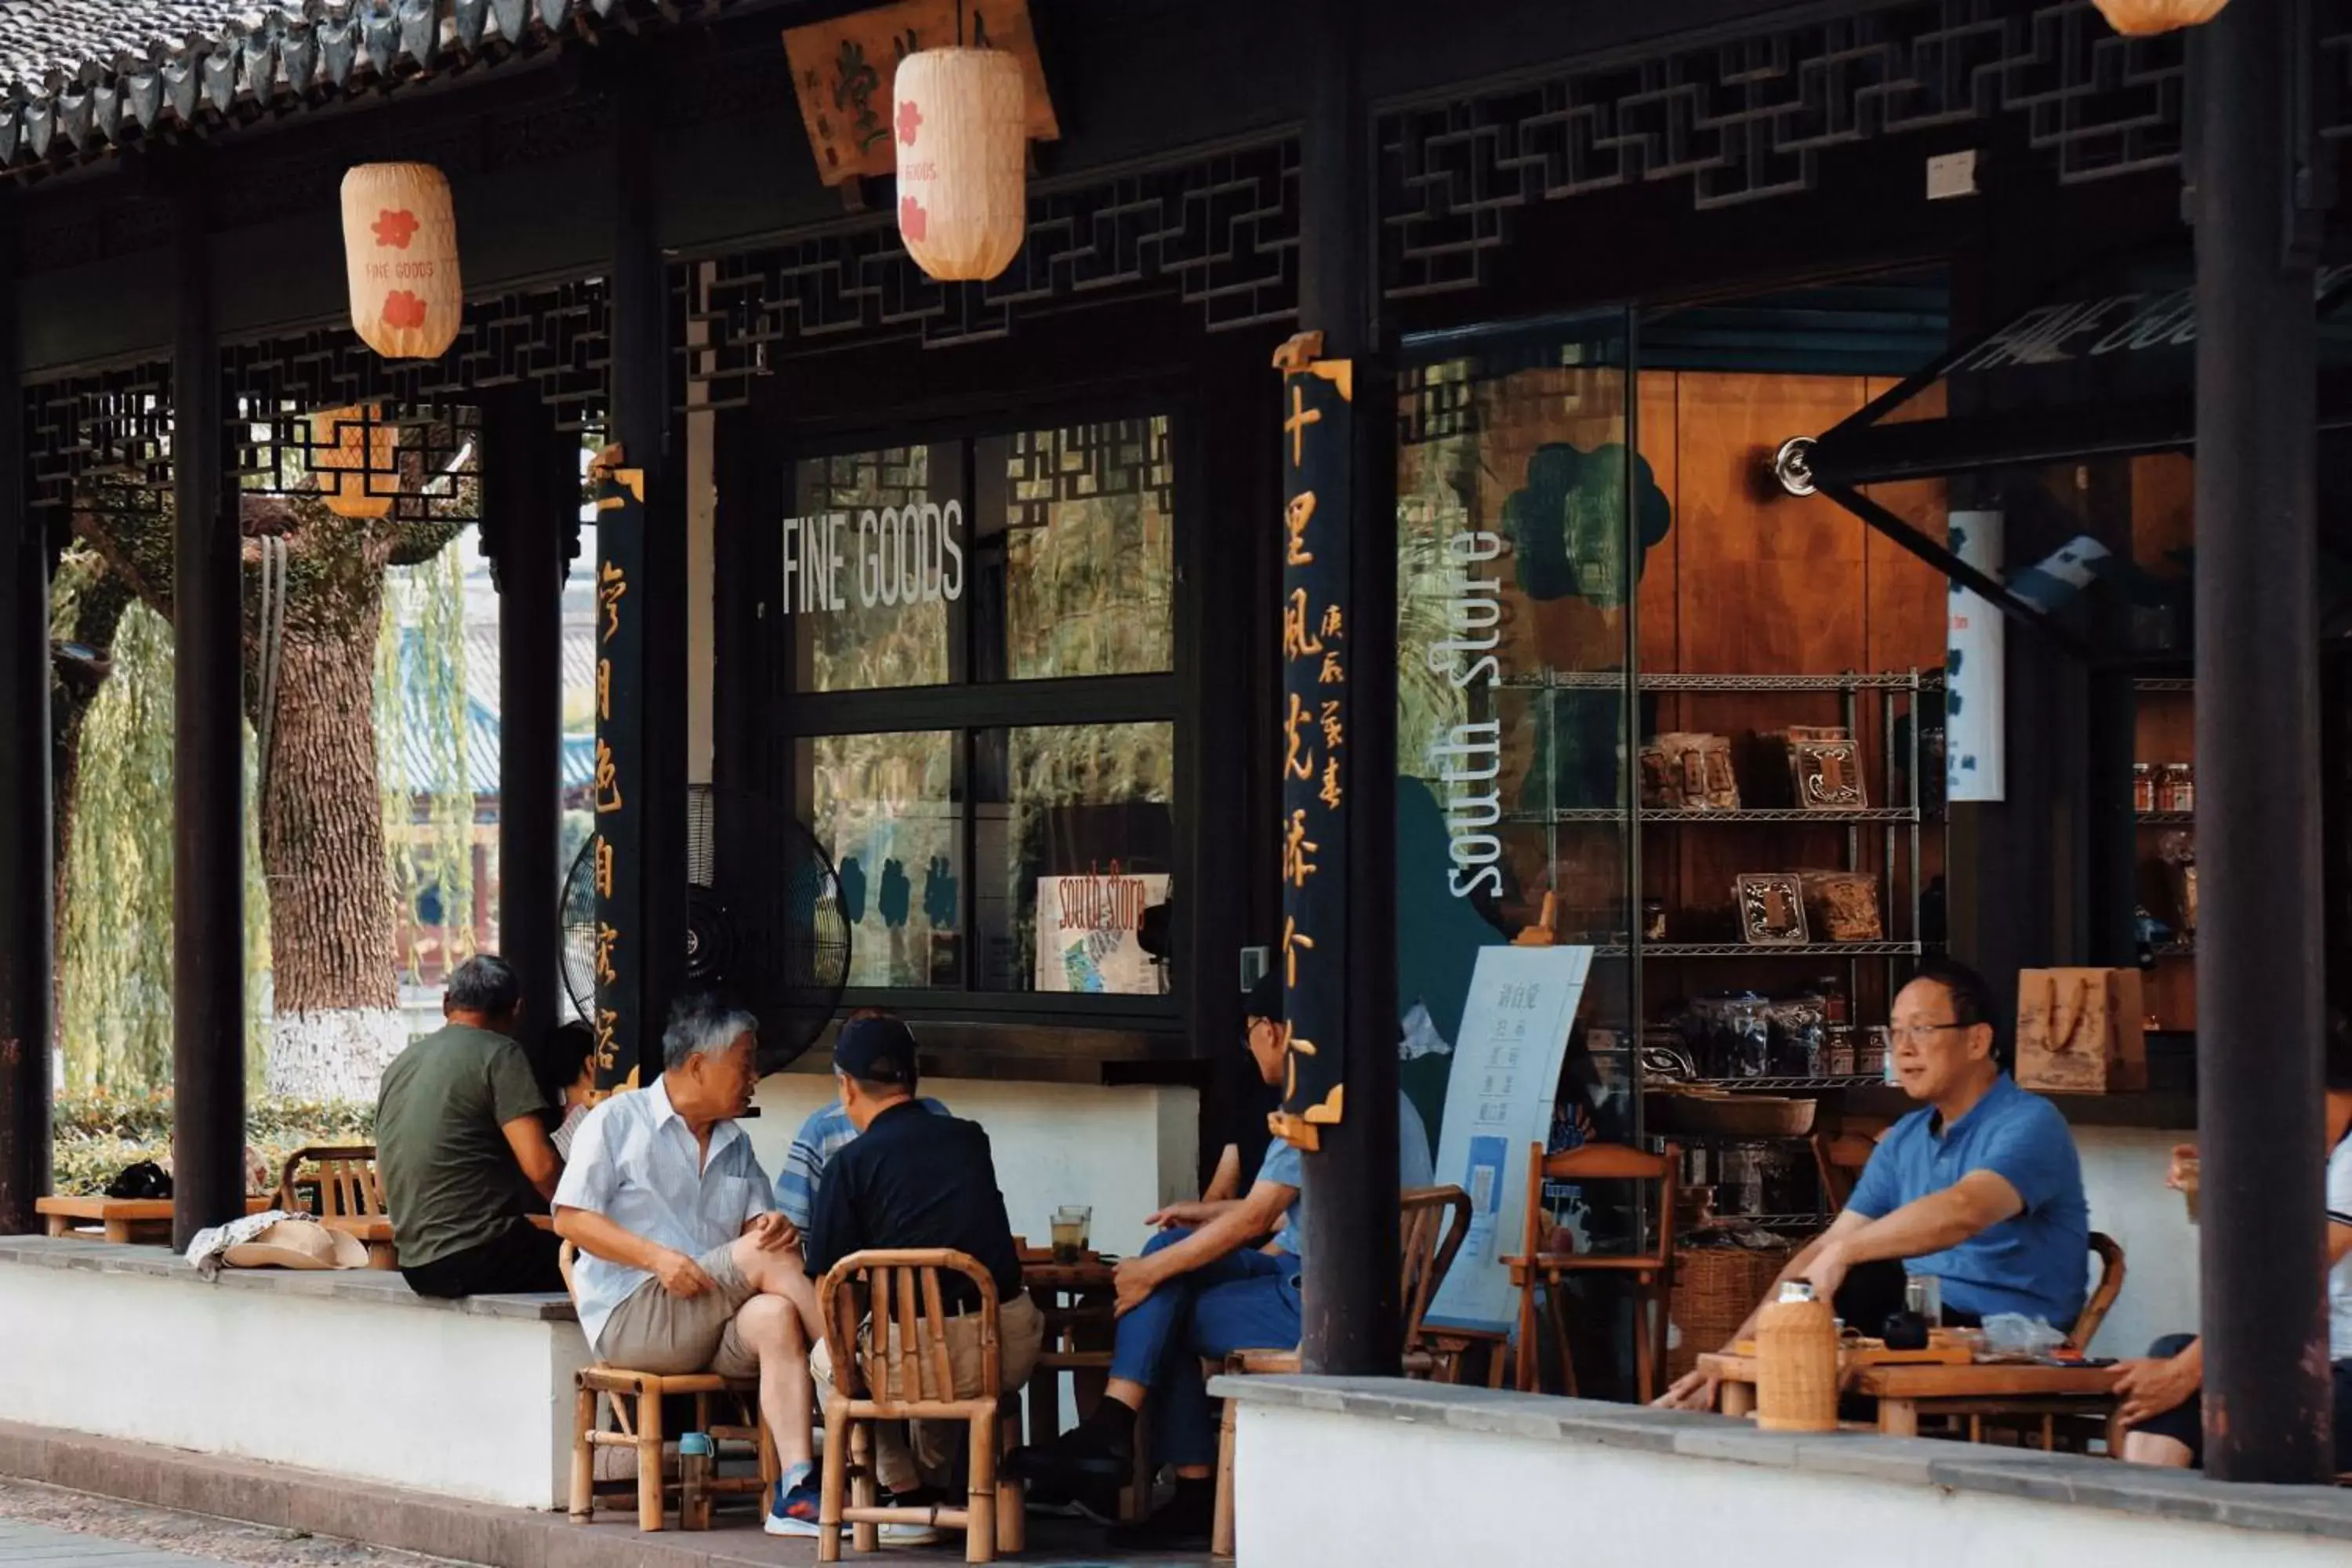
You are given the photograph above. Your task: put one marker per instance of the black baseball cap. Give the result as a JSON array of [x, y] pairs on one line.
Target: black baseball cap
[[1264, 998], [876, 1050]]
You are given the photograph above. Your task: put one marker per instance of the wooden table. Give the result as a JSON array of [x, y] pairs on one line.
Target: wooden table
[[1081, 1324], [121, 1219], [1905, 1393]]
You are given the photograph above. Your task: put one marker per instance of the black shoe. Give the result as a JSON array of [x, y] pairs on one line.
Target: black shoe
[[1182, 1523], [1084, 1453]]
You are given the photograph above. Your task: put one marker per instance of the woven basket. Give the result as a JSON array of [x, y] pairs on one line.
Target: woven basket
[[1715, 1289], [1796, 1367]]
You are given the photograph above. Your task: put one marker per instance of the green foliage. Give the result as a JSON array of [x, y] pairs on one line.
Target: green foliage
[[114, 947], [98, 1133]]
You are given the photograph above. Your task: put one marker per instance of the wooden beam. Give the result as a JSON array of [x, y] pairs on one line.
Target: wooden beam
[[208, 770], [27, 947]]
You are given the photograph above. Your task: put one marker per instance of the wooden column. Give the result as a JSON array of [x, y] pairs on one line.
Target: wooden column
[[530, 481], [641, 730], [1352, 1311], [2260, 955], [27, 947], [208, 772]]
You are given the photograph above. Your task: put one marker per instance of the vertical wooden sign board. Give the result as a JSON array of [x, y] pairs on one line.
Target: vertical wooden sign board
[[1318, 654], [618, 787]]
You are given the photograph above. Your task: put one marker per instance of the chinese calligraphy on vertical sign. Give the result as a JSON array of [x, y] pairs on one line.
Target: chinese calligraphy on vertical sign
[[615, 793], [1317, 446]]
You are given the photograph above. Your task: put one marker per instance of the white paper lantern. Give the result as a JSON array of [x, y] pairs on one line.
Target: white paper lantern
[[2141, 17], [353, 452], [962, 126], [400, 253]]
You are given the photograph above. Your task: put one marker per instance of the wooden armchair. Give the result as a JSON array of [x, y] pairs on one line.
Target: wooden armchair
[[349, 1194], [633, 1401], [1651, 1271], [891, 1363], [342, 1177]]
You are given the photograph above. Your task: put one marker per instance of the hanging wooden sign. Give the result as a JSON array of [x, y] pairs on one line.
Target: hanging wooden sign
[[844, 72], [1318, 654], [400, 259]]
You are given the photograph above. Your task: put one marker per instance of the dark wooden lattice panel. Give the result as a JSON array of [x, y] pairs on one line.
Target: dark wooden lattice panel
[[1219, 235], [110, 428], [424, 462], [559, 340], [1746, 118], [1081, 462]]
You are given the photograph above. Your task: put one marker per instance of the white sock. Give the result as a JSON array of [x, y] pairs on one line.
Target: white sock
[[797, 1472]]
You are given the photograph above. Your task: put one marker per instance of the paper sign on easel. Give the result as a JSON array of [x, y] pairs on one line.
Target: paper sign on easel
[[1499, 1101]]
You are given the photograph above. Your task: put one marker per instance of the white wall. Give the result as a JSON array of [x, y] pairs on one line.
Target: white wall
[[1125, 1150], [1303, 1477], [2122, 1176], [442, 1400]]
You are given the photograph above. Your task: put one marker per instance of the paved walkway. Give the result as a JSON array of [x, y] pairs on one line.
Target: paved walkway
[[32, 1543]]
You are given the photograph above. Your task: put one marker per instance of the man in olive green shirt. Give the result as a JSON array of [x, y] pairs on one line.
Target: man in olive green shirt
[[463, 1149]]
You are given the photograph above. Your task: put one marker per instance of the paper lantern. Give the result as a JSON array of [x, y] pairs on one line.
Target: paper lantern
[[400, 252], [353, 455], [961, 125], [2141, 17]]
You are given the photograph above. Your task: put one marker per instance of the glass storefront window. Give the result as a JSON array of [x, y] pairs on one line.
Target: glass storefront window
[[1083, 580], [888, 810], [1075, 839], [1043, 824], [874, 567]]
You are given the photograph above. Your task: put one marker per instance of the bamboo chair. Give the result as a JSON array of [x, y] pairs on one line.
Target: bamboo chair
[[632, 1400], [1653, 1272], [1433, 1223], [893, 1364], [344, 1180]]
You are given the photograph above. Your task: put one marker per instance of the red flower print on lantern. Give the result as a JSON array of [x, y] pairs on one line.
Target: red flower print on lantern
[[402, 309], [910, 120], [396, 228], [913, 221]]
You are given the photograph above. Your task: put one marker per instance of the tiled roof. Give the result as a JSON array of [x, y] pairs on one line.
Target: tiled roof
[[79, 77]]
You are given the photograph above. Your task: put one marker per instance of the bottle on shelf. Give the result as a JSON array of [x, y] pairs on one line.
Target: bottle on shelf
[[2144, 788]]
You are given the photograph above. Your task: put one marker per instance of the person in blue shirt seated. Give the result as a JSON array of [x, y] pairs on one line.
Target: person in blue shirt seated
[[825, 1134], [1202, 1290], [1981, 1187]]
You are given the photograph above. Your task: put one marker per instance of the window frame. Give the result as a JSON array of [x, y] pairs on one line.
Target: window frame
[[965, 706]]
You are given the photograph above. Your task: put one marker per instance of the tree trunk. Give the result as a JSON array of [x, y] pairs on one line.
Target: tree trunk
[[337, 1022]]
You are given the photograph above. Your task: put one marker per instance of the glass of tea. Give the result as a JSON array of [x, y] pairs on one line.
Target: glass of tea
[[1070, 1226]]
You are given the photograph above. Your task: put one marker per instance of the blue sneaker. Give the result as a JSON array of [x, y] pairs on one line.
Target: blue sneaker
[[794, 1508]]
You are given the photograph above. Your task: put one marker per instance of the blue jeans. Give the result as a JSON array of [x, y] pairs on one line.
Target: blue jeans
[[1244, 1301]]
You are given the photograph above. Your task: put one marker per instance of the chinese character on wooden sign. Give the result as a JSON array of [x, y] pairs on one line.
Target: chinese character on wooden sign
[[1317, 444], [843, 70]]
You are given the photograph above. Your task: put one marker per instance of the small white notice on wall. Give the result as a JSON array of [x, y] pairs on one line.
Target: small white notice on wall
[[1088, 933], [1976, 679]]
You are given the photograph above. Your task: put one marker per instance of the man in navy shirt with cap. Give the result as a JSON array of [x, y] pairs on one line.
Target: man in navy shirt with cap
[[916, 1177]]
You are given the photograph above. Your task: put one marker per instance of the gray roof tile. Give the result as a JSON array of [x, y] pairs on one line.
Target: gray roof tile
[[78, 76]]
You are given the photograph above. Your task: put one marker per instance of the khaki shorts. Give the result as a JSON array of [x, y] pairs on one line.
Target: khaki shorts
[[668, 1335], [1019, 1336]]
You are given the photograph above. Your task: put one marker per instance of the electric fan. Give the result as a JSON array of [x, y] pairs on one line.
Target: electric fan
[[764, 925]]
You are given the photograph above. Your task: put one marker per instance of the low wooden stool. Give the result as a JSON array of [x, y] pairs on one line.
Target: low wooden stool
[[634, 1401]]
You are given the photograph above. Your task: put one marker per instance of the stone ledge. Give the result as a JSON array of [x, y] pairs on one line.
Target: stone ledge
[[2063, 1478], [380, 1287]]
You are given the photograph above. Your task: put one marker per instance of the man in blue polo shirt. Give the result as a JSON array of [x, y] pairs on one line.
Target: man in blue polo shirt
[[1981, 1187]]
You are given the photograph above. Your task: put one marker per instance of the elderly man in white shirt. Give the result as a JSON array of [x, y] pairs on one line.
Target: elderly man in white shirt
[[686, 1265]]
